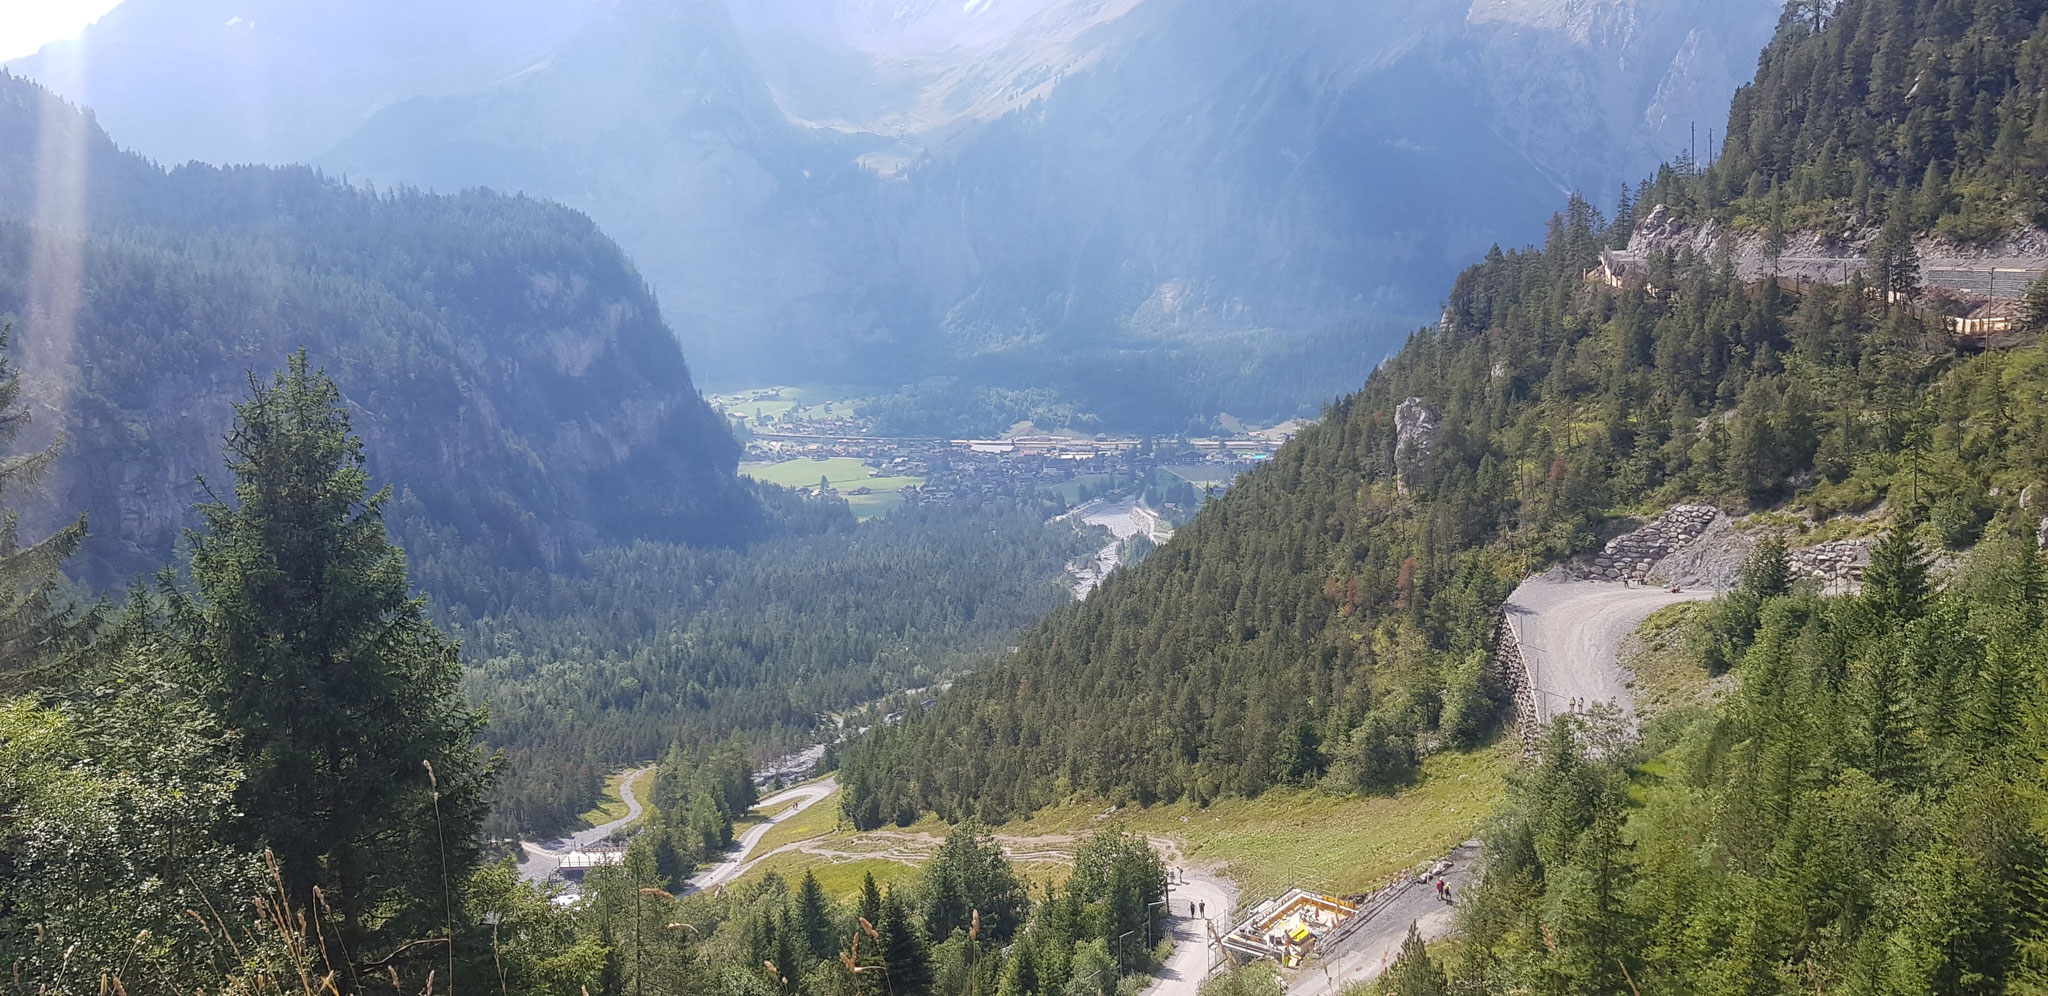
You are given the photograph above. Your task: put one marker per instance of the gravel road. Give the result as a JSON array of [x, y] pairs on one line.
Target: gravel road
[[1569, 631], [736, 863], [1124, 518], [542, 859]]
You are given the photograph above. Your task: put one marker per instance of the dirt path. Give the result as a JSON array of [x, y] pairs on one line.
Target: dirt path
[[735, 863], [1569, 631], [542, 859], [1185, 969]]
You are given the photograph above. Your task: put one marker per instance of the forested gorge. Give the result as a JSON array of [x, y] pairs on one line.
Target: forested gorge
[[1865, 811], [656, 642]]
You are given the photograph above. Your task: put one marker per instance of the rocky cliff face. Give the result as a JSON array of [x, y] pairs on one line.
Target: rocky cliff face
[[280, 81], [507, 369]]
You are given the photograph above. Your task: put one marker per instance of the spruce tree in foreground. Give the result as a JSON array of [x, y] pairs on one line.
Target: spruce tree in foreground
[[305, 629], [30, 626]]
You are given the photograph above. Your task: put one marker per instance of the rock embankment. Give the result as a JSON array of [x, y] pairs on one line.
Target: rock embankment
[[1835, 560], [1631, 555]]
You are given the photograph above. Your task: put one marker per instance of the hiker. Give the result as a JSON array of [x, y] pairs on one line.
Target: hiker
[[1191, 911], [1205, 909]]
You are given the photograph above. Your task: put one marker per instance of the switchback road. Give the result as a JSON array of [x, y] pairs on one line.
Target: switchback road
[[542, 859], [804, 797]]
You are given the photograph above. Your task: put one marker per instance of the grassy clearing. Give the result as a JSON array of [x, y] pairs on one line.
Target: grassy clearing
[[1299, 837], [806, 401], [1284, 838], [1070, 492], [1203, 475], [612, 806], [818, 821], [844, 473], [1667, 674], [869, 506], [805, 471], [839, 878]]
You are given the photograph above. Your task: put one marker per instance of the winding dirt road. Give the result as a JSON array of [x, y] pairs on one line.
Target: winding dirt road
[[1569, 631], [543, 859], [736, 863]]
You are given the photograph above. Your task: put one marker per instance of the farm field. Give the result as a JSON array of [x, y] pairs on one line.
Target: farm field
[[1202, 475], [844, 473]]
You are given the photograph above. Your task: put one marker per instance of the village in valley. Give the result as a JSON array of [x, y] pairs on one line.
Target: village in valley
[[806, 439]]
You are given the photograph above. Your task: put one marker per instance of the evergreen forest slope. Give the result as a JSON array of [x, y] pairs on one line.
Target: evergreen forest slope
[[509, 369], [1326, 620]]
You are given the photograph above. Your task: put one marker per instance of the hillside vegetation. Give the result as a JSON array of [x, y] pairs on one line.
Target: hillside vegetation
[[509, 369], [1929, 115], [1324, 622]]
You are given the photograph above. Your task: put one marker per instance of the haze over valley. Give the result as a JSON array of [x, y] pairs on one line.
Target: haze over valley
[[1156, 210], [1024, 498]]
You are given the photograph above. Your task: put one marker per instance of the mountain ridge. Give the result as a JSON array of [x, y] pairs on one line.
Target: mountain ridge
[[471, 333], [1073, 209]]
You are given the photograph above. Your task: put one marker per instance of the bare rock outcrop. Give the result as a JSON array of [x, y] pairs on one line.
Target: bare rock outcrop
[[1415, 429]]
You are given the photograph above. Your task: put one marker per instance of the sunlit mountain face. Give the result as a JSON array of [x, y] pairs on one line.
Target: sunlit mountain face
[[1153, 206]]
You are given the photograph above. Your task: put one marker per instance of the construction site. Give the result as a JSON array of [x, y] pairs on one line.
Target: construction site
[[1289, 928]]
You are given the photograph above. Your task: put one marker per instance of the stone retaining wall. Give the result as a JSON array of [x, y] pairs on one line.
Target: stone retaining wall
[[1835, 560], [1632, 555], [1514, 673]]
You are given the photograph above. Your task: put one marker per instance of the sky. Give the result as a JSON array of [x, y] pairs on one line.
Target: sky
[[26, 25]]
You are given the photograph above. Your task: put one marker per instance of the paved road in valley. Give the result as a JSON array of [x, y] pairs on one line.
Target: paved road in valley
[[735, 863], [542, 859]]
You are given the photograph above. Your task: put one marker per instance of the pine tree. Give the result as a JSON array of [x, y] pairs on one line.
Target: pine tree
[[1413, 972], [870, 900], [1767, 573], [970, 874], [2036, 303], [904, 948], [362, 771], [31, 628], [1895, 583], [814, 917]]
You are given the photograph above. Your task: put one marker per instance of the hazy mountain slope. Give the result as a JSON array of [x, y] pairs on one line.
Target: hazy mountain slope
[[1137, 202], [1159, 207], [758, 233], [507, 367], [282, 80]]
